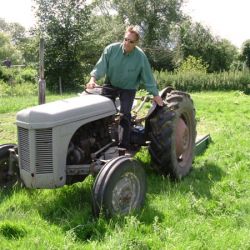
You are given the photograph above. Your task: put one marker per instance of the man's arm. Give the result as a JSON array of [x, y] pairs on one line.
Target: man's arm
[[100, 69], [150, 83]]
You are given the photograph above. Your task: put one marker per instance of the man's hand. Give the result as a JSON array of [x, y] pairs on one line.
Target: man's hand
[[92, 83], [158, 100]]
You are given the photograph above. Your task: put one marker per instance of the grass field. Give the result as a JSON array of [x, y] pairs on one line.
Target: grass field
[[209, 209]]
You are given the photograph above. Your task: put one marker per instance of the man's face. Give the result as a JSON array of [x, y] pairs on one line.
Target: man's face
[[129, 42]]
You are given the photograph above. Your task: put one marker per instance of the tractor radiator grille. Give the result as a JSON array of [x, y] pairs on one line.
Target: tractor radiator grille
[[24, 149], [44, 151]]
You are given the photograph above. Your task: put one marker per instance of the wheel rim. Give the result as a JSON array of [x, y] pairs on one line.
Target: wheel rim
[[182, 142], [126, 193], [182, 137]]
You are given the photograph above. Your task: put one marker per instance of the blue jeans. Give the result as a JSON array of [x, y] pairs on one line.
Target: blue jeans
[[126, 97]]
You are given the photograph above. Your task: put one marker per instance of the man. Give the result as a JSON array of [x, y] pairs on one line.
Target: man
[[125, 65]]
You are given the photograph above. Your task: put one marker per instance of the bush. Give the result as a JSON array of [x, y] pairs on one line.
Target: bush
[[5, 74], [24, 89], [193, 64], [18, 75], [26, 75]]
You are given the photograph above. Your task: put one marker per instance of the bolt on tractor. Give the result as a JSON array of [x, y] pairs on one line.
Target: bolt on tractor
[[63, 142]]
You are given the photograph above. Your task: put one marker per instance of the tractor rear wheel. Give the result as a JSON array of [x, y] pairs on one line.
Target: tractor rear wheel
[[119, 188], [6, 179], [172, 132]]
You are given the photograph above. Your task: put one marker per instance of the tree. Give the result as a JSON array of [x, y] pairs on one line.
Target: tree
[[15, 30], [29, 48], [196, 40], [7, 50], [3, 25], [65, 26], [246, 52], [23, 47], [155, 18], [105, 29], [223, 54]]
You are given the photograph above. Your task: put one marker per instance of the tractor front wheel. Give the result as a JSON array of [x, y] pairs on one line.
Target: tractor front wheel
[[119, 188]]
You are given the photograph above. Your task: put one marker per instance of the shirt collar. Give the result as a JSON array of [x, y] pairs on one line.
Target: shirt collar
[[127, 53]]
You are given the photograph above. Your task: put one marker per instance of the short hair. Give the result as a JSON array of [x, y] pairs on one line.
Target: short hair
[[133, 29]]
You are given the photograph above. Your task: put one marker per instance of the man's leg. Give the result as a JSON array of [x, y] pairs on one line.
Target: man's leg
[[126, 100]]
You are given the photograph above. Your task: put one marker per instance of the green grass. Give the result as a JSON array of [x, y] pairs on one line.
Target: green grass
[[209, 209]]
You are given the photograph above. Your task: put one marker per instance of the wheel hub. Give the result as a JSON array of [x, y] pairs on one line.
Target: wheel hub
[[125, 193]]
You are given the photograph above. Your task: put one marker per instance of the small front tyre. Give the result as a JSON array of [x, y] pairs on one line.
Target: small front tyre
[[6, 179], [120, 187]]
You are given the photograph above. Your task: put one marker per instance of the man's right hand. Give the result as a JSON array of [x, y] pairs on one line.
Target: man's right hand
[[92, 83]]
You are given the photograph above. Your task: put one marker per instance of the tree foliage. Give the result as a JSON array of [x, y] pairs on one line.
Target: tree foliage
[[15, 31], [65, 26], [15, 39], [246, 52], [8, 50], [155, 17], [105, 30], [196, 40]]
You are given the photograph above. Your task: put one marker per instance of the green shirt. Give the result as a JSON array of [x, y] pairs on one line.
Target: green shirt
[[125, 70]]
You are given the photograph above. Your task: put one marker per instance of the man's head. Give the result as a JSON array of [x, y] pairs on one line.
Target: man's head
[[131, 38]]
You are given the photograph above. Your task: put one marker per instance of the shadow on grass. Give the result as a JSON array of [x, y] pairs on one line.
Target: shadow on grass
[[68, 207], [12, 231], [200, 181]]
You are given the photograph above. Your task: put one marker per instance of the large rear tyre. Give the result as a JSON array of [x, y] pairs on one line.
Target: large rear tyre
[[119, 188], [172, 132], [6, 179]]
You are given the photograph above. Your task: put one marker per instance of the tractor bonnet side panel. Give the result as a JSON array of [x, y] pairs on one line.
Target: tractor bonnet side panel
[[44, 133]]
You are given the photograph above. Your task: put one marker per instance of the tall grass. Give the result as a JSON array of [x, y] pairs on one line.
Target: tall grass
[[209, 209], [198, 81]]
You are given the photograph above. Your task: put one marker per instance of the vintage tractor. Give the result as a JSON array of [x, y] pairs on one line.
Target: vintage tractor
[[63, 142]]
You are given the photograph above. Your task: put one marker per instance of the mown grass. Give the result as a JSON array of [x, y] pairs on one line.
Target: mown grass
[[209, 209]]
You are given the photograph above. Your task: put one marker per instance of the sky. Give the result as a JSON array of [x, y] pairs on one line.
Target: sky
[[19, 11], [227, 19]]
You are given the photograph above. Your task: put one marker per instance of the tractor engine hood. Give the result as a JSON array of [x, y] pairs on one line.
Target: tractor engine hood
[[65, 111]]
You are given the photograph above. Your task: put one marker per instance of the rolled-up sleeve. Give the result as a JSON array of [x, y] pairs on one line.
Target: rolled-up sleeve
[[148, 79], [101, 66]]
